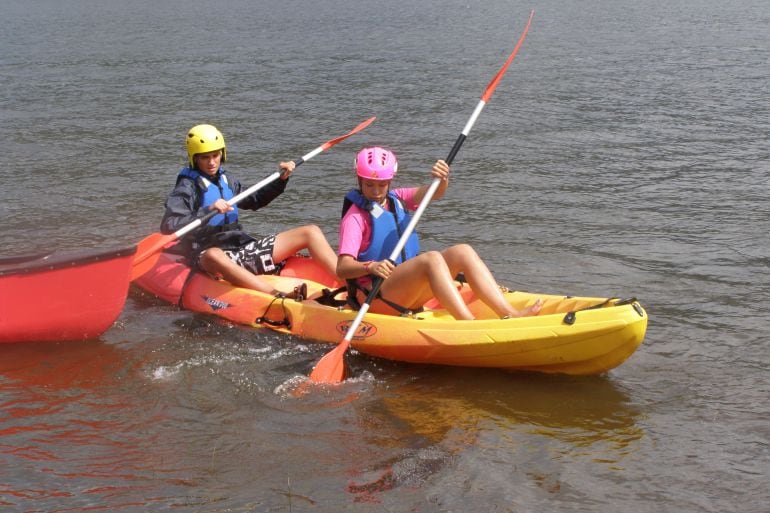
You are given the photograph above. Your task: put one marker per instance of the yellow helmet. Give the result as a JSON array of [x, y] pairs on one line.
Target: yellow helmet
[[203, 139]]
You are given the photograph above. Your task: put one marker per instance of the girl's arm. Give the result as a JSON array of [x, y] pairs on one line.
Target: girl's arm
[[351, 239], [439, 170], [348, 267]]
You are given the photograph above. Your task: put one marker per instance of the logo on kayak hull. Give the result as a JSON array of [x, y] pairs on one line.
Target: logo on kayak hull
[[365, 330], [215, 304]]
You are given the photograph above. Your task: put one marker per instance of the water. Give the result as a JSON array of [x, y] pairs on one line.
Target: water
[[625, 153]]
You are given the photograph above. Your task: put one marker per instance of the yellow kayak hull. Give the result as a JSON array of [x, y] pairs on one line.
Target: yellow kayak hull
[[571, 335]]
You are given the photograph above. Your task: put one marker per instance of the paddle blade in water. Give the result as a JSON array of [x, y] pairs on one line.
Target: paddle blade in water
[[331, 368]]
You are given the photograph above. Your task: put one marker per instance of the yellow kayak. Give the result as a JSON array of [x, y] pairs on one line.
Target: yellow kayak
[[570, 335]]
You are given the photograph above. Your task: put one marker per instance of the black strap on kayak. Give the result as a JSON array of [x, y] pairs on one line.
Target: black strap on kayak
[[283, 322], [354, 286], [569, 317], [300, 294], [328, 297]]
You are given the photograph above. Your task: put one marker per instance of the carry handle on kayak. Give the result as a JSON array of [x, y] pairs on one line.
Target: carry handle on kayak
[[331, 368]]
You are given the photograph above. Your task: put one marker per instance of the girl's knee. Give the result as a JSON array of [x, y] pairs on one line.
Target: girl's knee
[[433, 259], [431, 256], [464, 249], [462, 253]]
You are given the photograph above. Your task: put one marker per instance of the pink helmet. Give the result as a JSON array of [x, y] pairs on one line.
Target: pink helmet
[[376, 164]]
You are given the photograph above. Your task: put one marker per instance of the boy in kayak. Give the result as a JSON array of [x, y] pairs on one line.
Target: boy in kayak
[[374, 216], [221, 247]]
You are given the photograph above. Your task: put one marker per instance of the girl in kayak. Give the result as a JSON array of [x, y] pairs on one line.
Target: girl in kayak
[[221, 247], [374, 216]]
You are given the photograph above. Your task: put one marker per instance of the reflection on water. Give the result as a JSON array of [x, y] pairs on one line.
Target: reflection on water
[[72, 432], [427, 426], [551, 405]]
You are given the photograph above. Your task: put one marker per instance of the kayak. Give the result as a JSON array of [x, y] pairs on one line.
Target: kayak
[[570, 335], [62, 296]]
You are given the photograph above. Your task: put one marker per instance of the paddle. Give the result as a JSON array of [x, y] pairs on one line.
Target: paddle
[[331, 368], [148, 250]]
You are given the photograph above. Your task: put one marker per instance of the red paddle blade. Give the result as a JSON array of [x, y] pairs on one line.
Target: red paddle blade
[[148, 252], [331, 368], [496, 79], [361, 126]]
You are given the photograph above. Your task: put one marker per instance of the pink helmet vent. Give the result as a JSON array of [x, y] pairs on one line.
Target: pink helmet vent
[[376, 163]]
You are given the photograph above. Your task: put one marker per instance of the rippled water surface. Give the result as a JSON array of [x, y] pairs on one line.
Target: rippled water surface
[[625, 153]]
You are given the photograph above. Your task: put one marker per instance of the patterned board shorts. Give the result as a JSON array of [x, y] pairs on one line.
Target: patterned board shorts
[[257, 256]]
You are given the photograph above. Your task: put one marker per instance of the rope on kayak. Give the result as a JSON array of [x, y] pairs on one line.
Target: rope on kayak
[[283, 322], [300, 293], [569, 317]]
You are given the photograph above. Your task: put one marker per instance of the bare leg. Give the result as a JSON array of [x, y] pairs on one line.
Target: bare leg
[[463, 258], [308, 237], [216, 262], [407, 285]]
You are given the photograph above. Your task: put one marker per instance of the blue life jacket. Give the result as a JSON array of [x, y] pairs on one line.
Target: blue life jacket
[[211, 192], [387, 227]]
